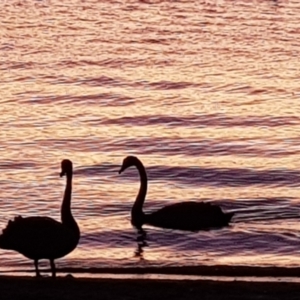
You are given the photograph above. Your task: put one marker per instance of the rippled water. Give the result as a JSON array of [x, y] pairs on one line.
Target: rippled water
[[205, 93]]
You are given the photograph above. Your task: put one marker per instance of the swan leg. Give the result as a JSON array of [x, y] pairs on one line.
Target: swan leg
[[36, 265], [53, 270]]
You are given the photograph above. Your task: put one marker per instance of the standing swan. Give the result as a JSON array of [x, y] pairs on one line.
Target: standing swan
[[42, 237], [189, 215]]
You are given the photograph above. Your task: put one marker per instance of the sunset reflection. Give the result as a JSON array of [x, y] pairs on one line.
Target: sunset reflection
[[205, 95]]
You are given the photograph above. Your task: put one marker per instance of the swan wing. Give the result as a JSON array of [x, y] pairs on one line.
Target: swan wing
[[36, 237], [187, 216], [190, 208]]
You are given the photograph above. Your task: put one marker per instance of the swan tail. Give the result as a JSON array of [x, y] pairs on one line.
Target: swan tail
[[228, 217], [11, 232]]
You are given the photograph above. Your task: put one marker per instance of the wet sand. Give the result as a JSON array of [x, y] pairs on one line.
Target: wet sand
[[216, 270], [117, 289], [29, 287]]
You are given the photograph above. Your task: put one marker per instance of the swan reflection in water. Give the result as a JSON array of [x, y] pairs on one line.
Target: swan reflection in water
[[141, 243], [190, 215], [42, 237]]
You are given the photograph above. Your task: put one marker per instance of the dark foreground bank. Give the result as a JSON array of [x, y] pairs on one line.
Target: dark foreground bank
[[117, 289]]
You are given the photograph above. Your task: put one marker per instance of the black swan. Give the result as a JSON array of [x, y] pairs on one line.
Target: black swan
[[189, 215], [42, 237]]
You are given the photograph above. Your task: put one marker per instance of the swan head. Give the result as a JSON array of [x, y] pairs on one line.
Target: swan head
[[66, 167], [128, 162]]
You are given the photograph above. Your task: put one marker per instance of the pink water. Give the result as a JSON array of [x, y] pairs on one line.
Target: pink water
[[205, 93]]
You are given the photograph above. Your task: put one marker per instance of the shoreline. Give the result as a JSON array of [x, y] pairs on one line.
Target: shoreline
[[215, 270], [117, 289]]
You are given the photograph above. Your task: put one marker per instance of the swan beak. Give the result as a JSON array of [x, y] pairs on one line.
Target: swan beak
[[62, 174]]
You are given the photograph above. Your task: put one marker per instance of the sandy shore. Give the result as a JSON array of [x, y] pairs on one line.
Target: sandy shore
[[217, 270], [117, 289]]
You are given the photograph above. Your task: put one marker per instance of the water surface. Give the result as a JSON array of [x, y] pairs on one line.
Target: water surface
[[205, 93]]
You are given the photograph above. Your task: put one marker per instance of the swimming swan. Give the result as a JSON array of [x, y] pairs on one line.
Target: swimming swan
[[42, 237], [189, 215]]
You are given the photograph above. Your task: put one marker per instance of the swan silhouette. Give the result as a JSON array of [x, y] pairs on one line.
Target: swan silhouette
[[42, 237], [191, 215]]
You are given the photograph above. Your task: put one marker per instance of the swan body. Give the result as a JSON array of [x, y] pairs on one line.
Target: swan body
[[190, 216], [42, 237]]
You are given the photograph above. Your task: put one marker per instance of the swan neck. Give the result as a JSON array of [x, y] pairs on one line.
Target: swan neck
[[140, 199], [66, 214]]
